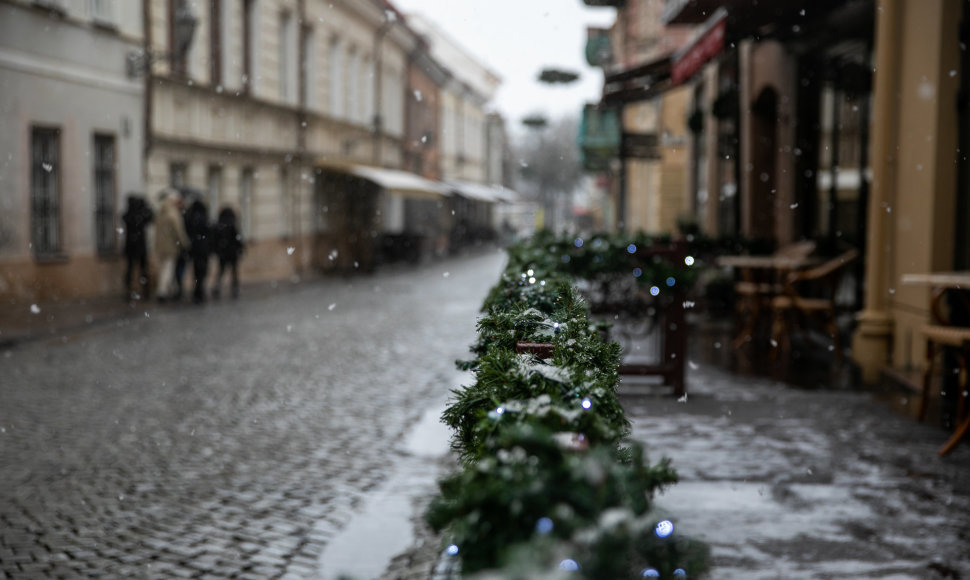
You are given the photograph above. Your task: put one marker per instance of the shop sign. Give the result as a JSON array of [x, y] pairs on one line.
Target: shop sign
[[708, 45], [640, 146]]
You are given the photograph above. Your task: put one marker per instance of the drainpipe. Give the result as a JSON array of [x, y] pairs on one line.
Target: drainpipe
[[302, 123], [870, 345], [146, 22], [302, 78]]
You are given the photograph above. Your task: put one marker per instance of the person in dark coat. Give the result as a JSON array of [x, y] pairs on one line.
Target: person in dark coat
[[199, 232], [228, 246], [183, 256], [136, 218]]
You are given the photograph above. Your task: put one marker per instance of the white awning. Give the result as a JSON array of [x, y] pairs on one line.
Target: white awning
[[482, 192], [508, 195], [403, 183]]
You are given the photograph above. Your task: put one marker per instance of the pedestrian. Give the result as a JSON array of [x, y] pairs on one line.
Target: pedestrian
[[199, 232], [170, 240], [182, 260], [228, 246], [136, 218]]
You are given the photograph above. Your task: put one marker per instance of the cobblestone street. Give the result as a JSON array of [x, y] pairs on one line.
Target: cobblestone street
[[231, 440]]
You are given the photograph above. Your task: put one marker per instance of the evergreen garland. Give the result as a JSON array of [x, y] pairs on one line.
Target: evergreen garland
[[530, 486], [602, 255], [546, 468]]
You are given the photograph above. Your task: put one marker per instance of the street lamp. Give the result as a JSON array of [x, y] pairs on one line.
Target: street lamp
[[536, 121], [556, 76], [184, 24]]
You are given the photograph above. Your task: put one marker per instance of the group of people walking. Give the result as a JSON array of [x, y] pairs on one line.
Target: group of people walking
[[183, 235]]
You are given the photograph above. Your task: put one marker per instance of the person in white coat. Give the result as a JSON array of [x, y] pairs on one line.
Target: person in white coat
[[170, 241]]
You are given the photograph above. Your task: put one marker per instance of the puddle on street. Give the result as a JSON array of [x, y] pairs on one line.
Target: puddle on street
[[384, 527]]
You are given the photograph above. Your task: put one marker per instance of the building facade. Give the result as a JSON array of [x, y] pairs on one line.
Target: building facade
[[780, 98], [472, 147], [73, 126], [326, 126], [851, 125], [267, 92], [647, 179], [464, 98], [919, 207]]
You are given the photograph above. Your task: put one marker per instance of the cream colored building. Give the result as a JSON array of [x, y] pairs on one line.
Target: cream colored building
[[269, 92], [72, 142], [472, 145], [290, 111], [464, 99]]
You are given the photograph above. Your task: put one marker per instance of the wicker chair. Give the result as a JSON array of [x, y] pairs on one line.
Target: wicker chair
[[752, 293], [795, 306], [957, 337]]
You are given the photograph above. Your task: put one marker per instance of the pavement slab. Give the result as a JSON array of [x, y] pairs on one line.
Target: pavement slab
[[787, 482]]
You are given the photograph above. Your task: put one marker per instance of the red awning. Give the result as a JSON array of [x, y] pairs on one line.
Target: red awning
[[707, 45], [691, 11]]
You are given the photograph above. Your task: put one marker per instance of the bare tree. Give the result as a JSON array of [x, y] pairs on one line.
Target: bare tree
[[549, 164]]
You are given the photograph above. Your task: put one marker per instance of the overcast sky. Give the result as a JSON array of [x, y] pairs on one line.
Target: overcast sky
[[517, 39]]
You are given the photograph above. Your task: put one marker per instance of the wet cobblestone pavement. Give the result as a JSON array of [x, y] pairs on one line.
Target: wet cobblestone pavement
[[232, 440]]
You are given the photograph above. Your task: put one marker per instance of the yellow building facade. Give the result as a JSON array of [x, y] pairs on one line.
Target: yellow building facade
[[918, 213]]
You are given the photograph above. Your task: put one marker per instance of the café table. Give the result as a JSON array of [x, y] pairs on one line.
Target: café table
[[760, 279], [944, 333]]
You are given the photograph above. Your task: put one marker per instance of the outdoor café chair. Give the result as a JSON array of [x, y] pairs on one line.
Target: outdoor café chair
[[810, 294]]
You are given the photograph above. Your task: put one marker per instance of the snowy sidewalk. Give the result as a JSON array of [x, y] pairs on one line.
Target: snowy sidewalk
[[794, 483]]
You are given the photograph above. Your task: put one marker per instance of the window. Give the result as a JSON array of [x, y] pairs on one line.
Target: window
[[176, 175], [393, 102], [385, 103], [249, 45], [246, 202], [336, 79], [215, 42], [287, 58], [56, 6], [105, 193], [322, 191], [102, 11], [214, 191], [353, 84], [286, 204], [447, 131], [307, 66], [45, 195], [473, 137], [369, 85], [178, 58]]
